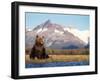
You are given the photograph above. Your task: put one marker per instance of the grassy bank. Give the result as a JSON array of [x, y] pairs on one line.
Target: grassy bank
[[59, 58], [81, 51]]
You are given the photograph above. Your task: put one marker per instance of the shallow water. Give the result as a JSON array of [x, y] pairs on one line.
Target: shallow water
[[56, 64]]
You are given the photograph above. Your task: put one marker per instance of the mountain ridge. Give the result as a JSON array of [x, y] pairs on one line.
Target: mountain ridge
[[55, 36]]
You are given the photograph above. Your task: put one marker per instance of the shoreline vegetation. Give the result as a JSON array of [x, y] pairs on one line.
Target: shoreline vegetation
[[70, 55], [58, 58], [83, 51]]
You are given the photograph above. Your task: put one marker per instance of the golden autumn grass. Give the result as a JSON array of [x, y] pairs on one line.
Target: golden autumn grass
[[58, 58]]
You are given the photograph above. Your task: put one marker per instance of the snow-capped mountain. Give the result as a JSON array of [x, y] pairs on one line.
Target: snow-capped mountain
[[28, 29], [83, 35], [56, 36]]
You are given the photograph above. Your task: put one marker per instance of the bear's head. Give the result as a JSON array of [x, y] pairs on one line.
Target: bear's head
[[39, 40]]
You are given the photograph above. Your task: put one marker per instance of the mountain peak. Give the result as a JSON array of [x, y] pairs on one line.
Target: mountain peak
[[47, 22]]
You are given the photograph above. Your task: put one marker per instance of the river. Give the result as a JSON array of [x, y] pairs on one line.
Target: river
[[56, 64]]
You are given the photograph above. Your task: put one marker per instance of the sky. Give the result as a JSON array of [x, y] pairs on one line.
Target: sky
[[80, 22]]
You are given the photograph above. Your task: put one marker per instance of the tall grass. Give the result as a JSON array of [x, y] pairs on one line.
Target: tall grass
[[83, 51], [68, 51]]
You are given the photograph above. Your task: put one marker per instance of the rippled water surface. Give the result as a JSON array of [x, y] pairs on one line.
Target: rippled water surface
[[56, 64]]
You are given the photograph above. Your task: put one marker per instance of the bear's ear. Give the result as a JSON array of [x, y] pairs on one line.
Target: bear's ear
[[37, 36]]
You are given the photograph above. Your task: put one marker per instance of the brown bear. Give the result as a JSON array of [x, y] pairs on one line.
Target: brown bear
[[38, 50]]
